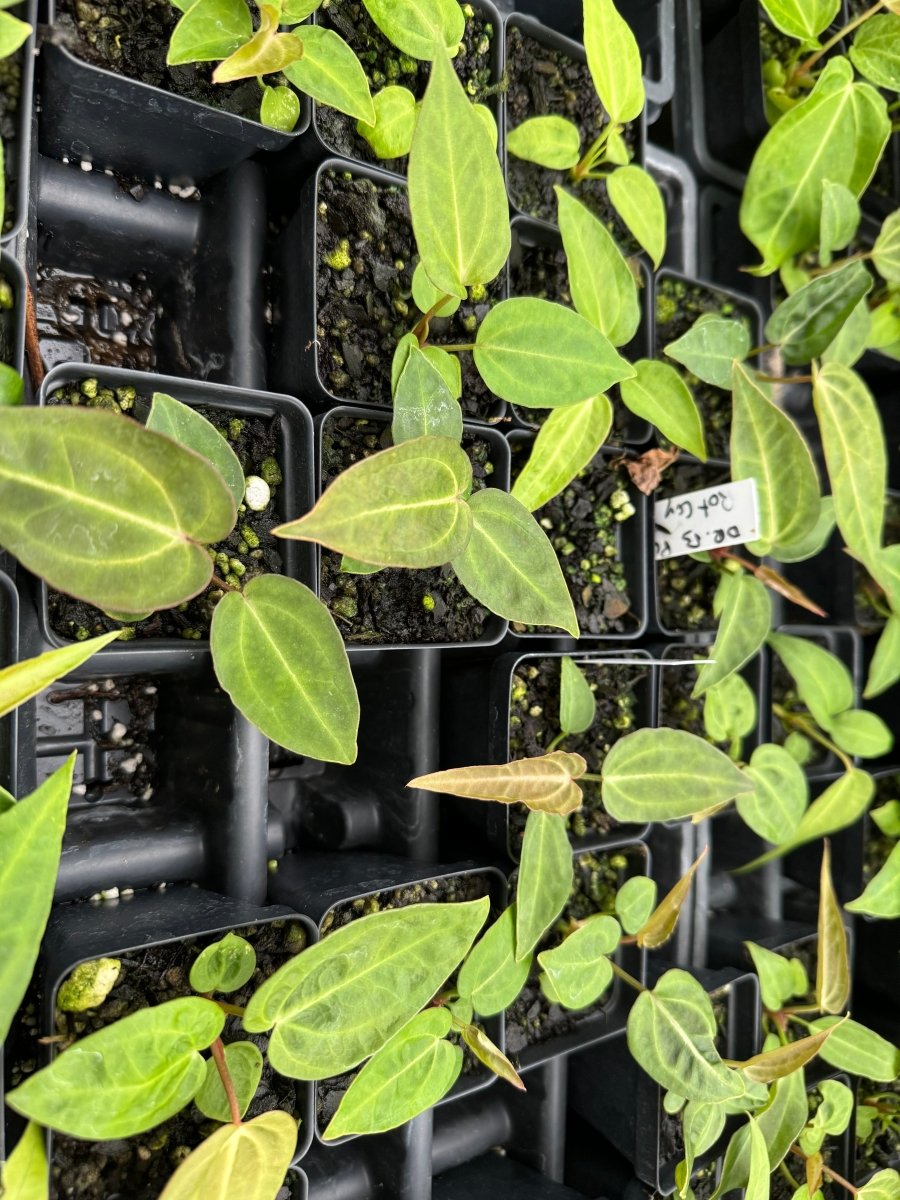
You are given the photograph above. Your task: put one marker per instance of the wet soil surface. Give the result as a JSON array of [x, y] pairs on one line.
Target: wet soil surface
[[384, 65], [249, 550], [622, 707], [395, 606], [365, 255]]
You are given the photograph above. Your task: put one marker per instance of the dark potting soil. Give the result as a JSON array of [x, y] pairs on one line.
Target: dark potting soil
[[546, 82], [880, 1150], [249, 550], [395, 606], [137, 1168], [365, 255], [679, 304], [532, 1019], [784, 693], [685, 587], [131, 37], [534, 723], [583, 528], [384, 65], [869, 600], [455, 889], [10, 94]]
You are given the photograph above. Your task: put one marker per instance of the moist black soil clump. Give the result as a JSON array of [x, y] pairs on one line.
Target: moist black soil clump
[[546, 82], [395, 606], [534, 723], [249, 550], [871, 606], [366, 256], [138, 1167], [679, 305], [532, 1019], [385, 65], [131, 37], [10, 97], [456, 889]]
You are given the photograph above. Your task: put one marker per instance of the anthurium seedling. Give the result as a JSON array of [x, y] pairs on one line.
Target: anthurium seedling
[[881, 896]]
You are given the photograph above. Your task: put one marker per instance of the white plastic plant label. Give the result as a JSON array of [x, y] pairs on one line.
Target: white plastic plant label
[[726, 515]]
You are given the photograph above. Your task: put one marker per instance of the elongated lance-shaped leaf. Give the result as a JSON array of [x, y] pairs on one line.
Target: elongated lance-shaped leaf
[[745, 620], [567, 441], [784, 1060], [545, 784], [26, 1173], [701, 1126], [423, 403], [758, 1183], [342, 999], [128, 1077], [419, 28], [492, 1056], [659, 395], [248, 1160], [823, 682], [833, 960], [30, 843], [884, 667], [491, 977], [545, 879], [403, 507], [182, 424], [329, 71], [661, 924], [108, 511], [780, 1122], [636, 197], [768, 447], [614, 60], [25, 679], [881, 896], [510, 566], [244, 1063], [579, 969], [280, 657], [457, 197], [853, 1047], [577, 703], [806, 323]]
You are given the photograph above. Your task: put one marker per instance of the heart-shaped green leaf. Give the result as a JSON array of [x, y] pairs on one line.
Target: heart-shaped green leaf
[[330, 72], [780, 795], [248, 1160], [579, 969]]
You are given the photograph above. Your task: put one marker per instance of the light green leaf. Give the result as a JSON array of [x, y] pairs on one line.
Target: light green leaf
[[671, 1034], [266, 53], [831, 1117], [12, 386], [13, 34], [852, 1047], [601, 282], [546, 784], [279, 108], [862, 734], [730, 712], [850, 344], [403, 507], [802, 19], [780, 795], [839, 220], [245, 1065], [417, 26], [510, 565], [551, 142], [423, 404], [489, 121], [710, 347], [295, 11], [884, 669], [635, 901], [579, 969], [414, 1070], [491, 977], [884, 1185], [875, 50], [542, 355], [823, 682], [577, 704], [812, 543], [746, 618], [758, 1181], [780, 1123], [614, 60], [224, 966], [25, 679], [26, 1175], [832, 958], [838, 133], [666, 774], [127, 1077], [174, 419], [448, 365], [137, 546], [658, 394], [884, 332], [637, 199], [209, 31], [30, 843], [886, 251], [457, 196], [426, 296], [321, 1003], [777, 979], [353, 566], [391, 133], [545, 879], [331, 73], [701, 1126], [806, 323], [887, 818], [567, 441], [881, 896], [248, 1160]]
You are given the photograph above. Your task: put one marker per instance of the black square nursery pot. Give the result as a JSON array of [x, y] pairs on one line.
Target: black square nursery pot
[[155, 935]]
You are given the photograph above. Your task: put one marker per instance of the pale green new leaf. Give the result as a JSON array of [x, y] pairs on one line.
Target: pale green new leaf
[[30, 842], [758, 1181], [887, 818], [577, 703], [777, 979], [601, 282], [279, 656], [780, 795], [13, 33], [666, 774], [342, 999], [541, 355], [209, 31], [710, 347], [25, 679], [875, 50], [491, 977], [884, 1185], [331, 73], [510, 565], [671, 1034], [567, 441], [614, 60], [127, 1077], [746, 618], [852, 1047], [417, 26], [551, 142], [812, 543], [426, 296], [179, 422], [831, 1117], [134, 544], [730, 712], [886, 251], [658, 394], [839, 221], [279, 108], [837, 133], [545, 879], [637, 199], [701, 1127], [862, 734], [635, 901], [802, 19], [248, 1160], [881, 896], [457, 196], [546, 784], [579, 969], [832, 959], [245, 1065], [780, 1123], [806, 323], [391, 133], [823, 682], [414, 1070], [26, 1175], [403, 507], [224, 966], [423, 404]]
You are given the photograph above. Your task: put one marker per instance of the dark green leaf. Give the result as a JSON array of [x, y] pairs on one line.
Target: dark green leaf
[[806, 323]]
